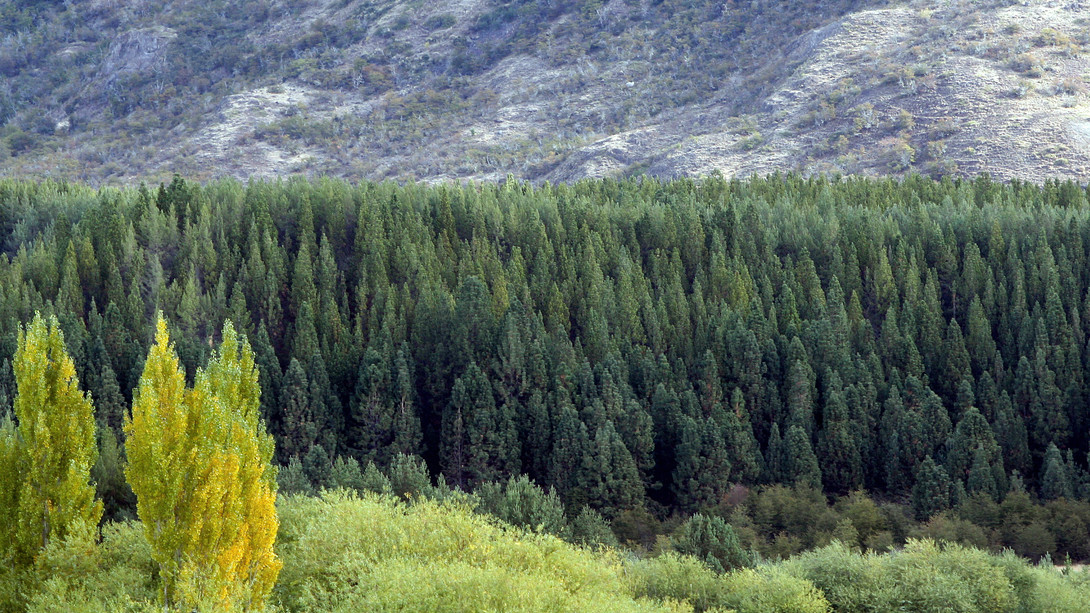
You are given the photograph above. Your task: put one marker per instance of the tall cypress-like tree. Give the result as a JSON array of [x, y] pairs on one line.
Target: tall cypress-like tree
[[199, 466], [298, 423], [568, 470], [383, 408], [773, 472], [743, 453], [480, 442], [45, 489]]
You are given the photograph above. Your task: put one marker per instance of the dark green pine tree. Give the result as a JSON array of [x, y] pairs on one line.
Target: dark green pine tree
[[890, 430], [1010, 433], [666, 413], [371, 409], [743, 454], [637, 430], [109, 477], [590, 529], [979, 342], [70, 294], [346, 474], [298, 424], [325, 405], [702, 473], [1055, 481], [269, 374], [520, 502], [238, 312], [535, 437], [318, 467], [615, 483], [926, 418], [110, 405], [800, 397], [304, 339], [474, 323], [489, 448], [773, 464], [408, 437], [932, 491], [1050, 423], [303, 290], [7, 388], [800, 465], [955, 361], [838, 450], [568, 469], [965, 399], [982, 476], [971, 437], [712, 540]]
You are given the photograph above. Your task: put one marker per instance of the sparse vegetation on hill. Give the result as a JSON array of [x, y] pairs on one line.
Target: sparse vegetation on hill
[[542, 90]]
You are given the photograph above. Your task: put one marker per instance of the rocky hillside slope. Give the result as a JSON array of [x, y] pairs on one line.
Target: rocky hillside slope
[[107, 90]]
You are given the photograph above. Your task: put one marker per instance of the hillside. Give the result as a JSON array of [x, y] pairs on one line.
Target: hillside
[[545, 90]]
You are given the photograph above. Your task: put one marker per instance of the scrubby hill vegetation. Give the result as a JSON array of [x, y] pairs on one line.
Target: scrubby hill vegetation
[[552, 90]]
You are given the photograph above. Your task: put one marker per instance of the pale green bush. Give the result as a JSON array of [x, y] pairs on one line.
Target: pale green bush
[[377, 553]]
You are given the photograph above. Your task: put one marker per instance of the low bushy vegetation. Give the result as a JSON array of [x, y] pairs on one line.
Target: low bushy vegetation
[[344, 552]]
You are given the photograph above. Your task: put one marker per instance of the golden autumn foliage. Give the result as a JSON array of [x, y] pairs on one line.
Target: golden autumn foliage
[[45, 463], [199, 464]]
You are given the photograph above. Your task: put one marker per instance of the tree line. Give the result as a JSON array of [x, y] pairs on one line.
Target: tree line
[[634, 345], [198, 464]]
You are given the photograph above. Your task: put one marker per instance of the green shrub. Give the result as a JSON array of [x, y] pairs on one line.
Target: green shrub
[[376, 553], [770, 589], [713, 541], [591, 529], [677, 577], [850, 581], [520, 502]]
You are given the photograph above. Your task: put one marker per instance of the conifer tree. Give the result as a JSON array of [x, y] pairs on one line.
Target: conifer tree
[[838, 451], [615, 483], [800, 465], [44, 481], [932, 492], [298, 423], [568, 459], [773, 472], [982, 476], [1055, 482], [713, 541], [742, 451]]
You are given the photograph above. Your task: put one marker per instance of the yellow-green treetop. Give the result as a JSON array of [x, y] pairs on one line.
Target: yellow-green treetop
[[45, 487], [199, 463]]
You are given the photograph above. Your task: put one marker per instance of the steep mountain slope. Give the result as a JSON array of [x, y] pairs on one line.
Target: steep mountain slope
[[542, 89]]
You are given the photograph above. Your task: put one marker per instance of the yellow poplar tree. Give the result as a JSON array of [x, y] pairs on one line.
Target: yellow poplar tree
[[199, 463], [45, 463]]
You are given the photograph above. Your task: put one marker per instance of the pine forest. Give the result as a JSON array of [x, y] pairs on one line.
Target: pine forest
[[772, 394]]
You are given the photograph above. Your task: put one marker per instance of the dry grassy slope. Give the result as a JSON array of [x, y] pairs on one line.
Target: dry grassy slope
[[971, 109], [953, 69], [934, 86]]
